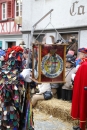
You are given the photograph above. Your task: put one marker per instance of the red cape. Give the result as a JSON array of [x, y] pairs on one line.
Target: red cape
[[79, 100]]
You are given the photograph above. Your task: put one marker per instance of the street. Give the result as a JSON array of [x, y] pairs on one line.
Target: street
[[43, 121]]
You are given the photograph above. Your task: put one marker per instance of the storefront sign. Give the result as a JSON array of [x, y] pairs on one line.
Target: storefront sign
[[80, 9], [66, 14]]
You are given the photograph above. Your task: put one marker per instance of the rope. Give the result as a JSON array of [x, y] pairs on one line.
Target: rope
[[69, 72], [54, 29], [42, 31], [57, 32]]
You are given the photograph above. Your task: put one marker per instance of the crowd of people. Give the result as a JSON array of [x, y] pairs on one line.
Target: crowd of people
[[74, 88], [75, 76]]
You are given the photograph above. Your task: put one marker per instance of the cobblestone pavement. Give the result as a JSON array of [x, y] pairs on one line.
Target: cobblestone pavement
[[47, 122]]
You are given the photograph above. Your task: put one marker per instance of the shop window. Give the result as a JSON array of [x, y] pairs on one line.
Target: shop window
[[4, 11], [18, 10], [0, 44]]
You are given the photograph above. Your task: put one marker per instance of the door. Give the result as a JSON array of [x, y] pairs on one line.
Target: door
[[10, 44]]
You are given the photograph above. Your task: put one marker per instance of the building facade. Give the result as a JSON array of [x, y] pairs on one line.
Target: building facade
[[10, 34], [68, 18]]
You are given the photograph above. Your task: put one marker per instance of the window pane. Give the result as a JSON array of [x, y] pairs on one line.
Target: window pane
[[17, 13], [3, 16], [3, 5], [17, 4], [20, 13], [4, 11], [19, 8]]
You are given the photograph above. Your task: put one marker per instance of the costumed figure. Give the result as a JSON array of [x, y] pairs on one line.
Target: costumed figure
[[43, 94], [12, 92], [68, 86], [80, 56], [22, 43], [82, 53], [79, 100]]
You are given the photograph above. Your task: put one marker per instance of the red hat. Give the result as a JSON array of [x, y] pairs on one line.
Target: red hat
[[18, 48], [9, 50], [83, 50], [13, 48]]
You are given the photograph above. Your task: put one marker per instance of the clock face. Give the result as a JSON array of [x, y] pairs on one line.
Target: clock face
[[52, 65], [35, 61]]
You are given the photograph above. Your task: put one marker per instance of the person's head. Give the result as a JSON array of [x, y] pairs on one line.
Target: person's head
[[70, 60], [72, 39], [22, 43], [82, 53], [70, 52]]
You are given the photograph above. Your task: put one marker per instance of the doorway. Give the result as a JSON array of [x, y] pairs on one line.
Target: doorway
[[10, 44]]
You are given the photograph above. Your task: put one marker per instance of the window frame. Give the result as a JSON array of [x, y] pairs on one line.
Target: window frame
[[4, 13], [1, 44], [20, 8]]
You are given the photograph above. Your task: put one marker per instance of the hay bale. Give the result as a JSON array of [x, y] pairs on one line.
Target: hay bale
[[57, 108]]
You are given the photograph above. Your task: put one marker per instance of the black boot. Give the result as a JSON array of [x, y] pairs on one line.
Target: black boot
[[76, 128], [69, 95], [63, 94]]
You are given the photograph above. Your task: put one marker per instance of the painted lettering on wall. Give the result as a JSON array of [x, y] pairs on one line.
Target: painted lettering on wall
[[80, 9]]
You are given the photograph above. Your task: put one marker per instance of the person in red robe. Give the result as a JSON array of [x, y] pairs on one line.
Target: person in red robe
[[79, 99]]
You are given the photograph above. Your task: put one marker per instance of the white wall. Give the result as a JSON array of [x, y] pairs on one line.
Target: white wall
[[83, 38], [26, 39], [33, 10]]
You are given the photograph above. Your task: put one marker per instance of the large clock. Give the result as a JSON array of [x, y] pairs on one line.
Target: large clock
[[52, 65], [48, 63]]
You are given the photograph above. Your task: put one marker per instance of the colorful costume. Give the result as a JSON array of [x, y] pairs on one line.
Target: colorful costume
[[12, 92]]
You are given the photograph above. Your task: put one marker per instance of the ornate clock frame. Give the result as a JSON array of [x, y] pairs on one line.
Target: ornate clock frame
[[48, 63]]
